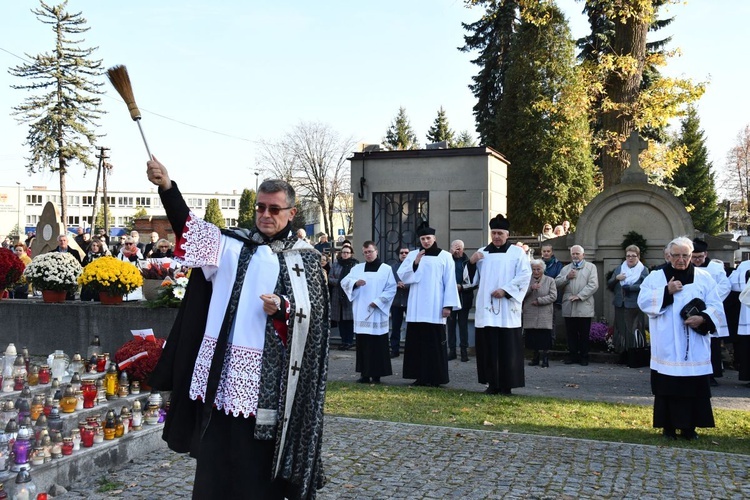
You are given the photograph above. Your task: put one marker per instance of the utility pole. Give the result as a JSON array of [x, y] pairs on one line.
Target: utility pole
[[103, 155], [107, 167]]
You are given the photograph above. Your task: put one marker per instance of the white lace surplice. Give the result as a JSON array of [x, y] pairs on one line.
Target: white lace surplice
[[218, 255]]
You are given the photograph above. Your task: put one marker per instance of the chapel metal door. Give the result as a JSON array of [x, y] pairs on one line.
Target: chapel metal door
[[395, 219]]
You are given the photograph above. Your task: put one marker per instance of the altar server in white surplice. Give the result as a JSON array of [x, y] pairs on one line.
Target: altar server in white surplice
[[371, 288], [683, 308], [503, 273], [433, 294]]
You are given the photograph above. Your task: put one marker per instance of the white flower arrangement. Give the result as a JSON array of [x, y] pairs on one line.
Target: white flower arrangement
[[54, 271]]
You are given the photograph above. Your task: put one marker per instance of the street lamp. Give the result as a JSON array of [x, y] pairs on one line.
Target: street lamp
[[256, 182], [18, 211]]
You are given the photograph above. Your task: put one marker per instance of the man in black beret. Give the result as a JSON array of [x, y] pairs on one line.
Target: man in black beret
[[431, 276]]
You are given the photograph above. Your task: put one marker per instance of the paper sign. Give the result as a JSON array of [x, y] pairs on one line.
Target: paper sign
[[146, 334]]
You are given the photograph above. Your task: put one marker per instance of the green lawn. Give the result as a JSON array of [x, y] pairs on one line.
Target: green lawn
[[528, 415]]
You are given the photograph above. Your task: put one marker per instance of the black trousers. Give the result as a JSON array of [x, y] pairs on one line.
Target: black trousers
[[577, 330], [397, 320]]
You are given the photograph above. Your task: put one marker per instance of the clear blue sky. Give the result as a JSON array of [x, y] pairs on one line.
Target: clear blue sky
[[251, 70]]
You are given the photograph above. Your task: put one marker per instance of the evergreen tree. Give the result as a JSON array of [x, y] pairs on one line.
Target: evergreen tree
[[465, 140], [696, 179], [440, 130], [542, 126], [246, 218], [213, 214], [400, 134], [491, 36], [99, 221], [63, 108]]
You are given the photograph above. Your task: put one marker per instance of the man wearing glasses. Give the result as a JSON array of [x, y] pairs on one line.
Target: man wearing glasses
[[398, 308], [683, 308], [247, 358], [371, 288]]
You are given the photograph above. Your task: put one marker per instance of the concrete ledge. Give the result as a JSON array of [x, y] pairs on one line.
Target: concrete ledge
[[97, 460], [71, 326]]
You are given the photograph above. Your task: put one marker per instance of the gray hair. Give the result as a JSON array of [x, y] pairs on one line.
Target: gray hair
[[681, 241], [276, 185], [538, 262]]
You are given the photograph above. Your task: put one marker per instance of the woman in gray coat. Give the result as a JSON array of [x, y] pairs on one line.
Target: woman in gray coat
[[625, 283], [537, 313]]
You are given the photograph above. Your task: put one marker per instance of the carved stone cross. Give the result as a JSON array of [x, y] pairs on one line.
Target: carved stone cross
[[296, 368], [634, 144], [301, 315], [298, 270]]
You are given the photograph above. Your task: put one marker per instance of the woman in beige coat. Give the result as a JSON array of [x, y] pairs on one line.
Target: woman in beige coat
[[537, 313]]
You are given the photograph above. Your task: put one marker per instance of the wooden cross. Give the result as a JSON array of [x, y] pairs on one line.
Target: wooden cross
[[298, 270], [295, 368], [634, 144], [301, 315]]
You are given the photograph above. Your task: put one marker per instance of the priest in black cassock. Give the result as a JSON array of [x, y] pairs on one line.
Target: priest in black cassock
[[247, 357], [371, 288], [433, 294], [684, 310], [503, 274]]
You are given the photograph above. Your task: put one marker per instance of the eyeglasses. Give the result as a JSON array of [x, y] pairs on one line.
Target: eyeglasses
[[273, 209], [631, 256], [683, 256], [404, 253], [128, 244], [163, 248]]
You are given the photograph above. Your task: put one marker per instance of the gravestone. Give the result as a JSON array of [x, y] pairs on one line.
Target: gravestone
[[632, 205], [47, 231]]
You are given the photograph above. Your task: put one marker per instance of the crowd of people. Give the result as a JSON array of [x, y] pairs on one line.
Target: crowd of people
[[681, 303]]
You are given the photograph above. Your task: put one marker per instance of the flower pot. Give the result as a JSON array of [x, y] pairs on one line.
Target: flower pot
[[151, 289], [54, 296], [107, 298]]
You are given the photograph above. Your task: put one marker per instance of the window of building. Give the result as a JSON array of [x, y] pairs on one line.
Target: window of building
[[396, 217], [195, 203], [125, 201], [228, 203], [87, 201], [74, 220], [53, 198], [110, 201], [32, 220], [230, 222], [74, 201], [143, 201], [34, 199]]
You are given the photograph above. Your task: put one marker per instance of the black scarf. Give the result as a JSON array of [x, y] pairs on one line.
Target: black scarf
[[433, 251]]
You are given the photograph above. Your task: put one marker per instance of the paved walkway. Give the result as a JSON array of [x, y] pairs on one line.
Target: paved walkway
[[379, 460]]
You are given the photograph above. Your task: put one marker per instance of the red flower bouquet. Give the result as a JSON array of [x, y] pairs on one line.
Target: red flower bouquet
[[156, 269], [11, 268], [142, 366]]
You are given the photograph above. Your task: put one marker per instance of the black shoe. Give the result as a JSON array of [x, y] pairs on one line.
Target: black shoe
[[505, 391], [452, 355], [464, 356], [713, 382], [534, 360], [584, 363], [345, 347], [545, 361], [492, 390], [363, 380], [689, 434], [669, 433], [570, 361], [394, 355], [375, 380]]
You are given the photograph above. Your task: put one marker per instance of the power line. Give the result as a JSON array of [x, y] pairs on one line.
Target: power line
[[186, 124]]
